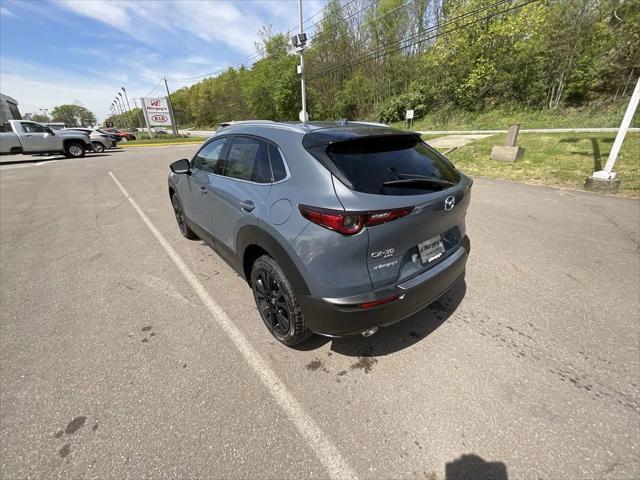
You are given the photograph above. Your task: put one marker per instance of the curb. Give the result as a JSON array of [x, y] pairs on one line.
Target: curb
[[159, 144]]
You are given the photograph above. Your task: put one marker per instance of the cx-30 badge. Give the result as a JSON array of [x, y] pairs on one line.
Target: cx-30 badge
[[449, 203]]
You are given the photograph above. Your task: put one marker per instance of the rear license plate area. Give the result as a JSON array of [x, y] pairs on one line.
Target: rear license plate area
[[431, 250]]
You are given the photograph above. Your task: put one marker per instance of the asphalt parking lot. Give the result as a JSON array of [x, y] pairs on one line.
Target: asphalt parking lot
[[114, 366]]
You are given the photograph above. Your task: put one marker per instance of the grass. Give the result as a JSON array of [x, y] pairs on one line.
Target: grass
[[564, 160], [163, 139], [591, 116]]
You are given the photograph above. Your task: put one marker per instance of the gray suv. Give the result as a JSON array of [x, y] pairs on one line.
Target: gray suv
[[339, 228]]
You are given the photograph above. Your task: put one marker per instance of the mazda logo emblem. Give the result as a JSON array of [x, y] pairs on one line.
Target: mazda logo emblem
[[449, 203]]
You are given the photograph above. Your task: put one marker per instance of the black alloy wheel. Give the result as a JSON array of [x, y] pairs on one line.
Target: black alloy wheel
[[277, 303], [182, 222], [273, 304]]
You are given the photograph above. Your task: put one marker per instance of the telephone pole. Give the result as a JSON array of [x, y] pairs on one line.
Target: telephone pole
[[174, 124]]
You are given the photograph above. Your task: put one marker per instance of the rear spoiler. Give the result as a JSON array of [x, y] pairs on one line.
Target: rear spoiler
[[329, 136]]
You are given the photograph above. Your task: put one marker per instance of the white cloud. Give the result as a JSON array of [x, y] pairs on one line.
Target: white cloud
[[234, 24], [5, 12]]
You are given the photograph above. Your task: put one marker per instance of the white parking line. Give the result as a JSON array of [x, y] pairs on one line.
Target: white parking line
[[323, 447]]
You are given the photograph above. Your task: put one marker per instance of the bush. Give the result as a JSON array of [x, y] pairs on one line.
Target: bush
[[393, 109]]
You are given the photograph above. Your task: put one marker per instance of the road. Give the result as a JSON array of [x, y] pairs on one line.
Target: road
[[114, 366]]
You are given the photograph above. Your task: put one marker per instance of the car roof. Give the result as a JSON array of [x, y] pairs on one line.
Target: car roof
[[318, 133]]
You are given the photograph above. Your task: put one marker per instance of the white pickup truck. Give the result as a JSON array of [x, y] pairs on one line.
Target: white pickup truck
[[28, 138]]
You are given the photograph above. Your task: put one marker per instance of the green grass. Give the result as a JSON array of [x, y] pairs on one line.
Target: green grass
[[163, 139], [564, 160], [592, 116]]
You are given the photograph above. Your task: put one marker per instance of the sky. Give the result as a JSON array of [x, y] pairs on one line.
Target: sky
[[55, 52]]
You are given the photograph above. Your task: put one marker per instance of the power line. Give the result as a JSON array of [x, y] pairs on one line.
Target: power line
[[384, 50], [257, 54], [262, 50], [154, 88]]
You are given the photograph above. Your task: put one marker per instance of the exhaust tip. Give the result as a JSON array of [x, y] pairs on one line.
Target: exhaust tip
[[371, 331]]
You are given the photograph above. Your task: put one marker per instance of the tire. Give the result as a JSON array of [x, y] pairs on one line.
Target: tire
[[277, 303], [181, 219], [124, 139], [75, 150], [97, 147]]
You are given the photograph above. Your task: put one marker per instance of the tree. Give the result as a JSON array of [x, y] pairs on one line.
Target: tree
[[40, 118], [73, 116]]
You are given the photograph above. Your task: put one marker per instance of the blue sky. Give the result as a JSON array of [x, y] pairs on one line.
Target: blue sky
[[82, 51]]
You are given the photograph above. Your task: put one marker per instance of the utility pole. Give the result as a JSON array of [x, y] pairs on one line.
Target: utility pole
[[174, 124], [607, 179], [301, 41]]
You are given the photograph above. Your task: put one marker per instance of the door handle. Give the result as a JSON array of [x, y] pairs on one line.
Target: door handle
[[203, 190], [28, 136], [247, 205]]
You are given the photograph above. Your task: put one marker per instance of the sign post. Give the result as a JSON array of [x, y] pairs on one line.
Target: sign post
[[409, 117]]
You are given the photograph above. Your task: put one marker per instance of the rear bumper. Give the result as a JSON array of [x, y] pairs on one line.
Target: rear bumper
[[339, 317]]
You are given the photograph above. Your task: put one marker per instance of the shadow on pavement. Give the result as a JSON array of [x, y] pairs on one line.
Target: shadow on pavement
[[398, 336], [473, 467], [50, 158]]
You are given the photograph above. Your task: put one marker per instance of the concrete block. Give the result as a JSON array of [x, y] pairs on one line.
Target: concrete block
[[502, 153], [602, 184]]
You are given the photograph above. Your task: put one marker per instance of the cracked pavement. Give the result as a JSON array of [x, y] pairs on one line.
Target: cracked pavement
[[111, 367]]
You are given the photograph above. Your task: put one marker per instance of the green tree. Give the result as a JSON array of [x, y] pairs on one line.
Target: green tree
[[73, 116], [38, 117]]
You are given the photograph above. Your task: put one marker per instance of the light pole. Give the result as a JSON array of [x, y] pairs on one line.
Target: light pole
[[135, 105], [46, 113], [299, 41], [124, 118], [127, 99], [124, 112]]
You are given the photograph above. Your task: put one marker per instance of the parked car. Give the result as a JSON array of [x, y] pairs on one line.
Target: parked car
[[339, 228], [99, 141], [30, 138], [114, 138], [123, 134]]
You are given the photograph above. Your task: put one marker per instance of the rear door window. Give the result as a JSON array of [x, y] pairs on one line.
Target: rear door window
[[392, 166], [248, 159]]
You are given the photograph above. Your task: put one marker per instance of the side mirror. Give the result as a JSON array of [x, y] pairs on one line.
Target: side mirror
[[181, 166], [50, 131]]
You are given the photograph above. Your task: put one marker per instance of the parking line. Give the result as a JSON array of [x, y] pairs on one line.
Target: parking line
[[326, 451]]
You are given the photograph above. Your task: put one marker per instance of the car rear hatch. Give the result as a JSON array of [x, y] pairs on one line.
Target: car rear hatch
[[414, 199]]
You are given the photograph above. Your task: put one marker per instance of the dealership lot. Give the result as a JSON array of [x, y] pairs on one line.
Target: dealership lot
[[112, 364]]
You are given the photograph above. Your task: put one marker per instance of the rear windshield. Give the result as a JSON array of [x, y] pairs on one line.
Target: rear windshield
[[392, 166]]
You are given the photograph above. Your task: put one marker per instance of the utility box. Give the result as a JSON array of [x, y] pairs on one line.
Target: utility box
[[509, 152]]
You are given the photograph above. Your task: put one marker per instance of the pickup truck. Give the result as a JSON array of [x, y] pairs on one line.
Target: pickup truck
[[26, 137]]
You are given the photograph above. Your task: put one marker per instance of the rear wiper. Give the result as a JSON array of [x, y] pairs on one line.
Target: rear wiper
[[412, 182]]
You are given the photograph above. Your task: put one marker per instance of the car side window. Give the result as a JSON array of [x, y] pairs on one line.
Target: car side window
[[34, 128], [248, 159], [277, 164], [209, 158]]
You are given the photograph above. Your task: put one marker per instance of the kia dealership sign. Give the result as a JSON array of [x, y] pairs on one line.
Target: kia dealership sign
[[156, 112]]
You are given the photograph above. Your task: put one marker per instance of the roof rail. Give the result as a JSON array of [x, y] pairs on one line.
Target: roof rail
[[265, 123]]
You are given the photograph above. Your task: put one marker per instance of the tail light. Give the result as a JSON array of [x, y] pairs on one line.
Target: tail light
[[350, 223]]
